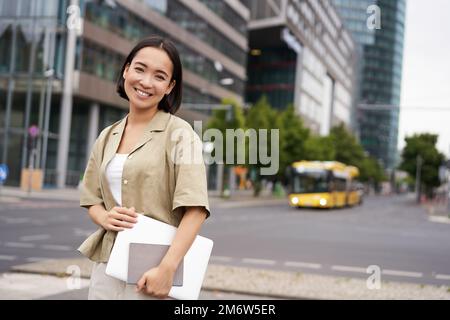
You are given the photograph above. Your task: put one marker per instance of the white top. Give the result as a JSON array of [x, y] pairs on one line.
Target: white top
[[114, 176]]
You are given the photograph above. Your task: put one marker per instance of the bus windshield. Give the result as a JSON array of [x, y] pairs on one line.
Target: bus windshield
[[311, 182]]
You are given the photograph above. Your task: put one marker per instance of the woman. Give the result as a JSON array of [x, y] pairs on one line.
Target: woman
[[142, 164]]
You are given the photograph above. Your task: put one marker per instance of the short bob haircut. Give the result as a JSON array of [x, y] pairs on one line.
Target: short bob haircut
[[170, 103]]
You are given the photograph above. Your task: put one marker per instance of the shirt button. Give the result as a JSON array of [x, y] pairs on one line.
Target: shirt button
[[125, 181]]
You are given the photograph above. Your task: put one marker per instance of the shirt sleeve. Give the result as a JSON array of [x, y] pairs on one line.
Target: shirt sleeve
[[90, 193], [190, 173]]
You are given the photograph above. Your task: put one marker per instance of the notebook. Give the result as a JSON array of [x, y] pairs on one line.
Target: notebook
[[152, 231], [144, 256]]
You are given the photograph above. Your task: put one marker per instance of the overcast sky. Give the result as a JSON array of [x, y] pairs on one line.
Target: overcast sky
[[426, 71]]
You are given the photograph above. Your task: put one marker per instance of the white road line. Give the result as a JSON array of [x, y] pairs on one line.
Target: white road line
[[8, 258], [19, 245], [443, 276], [439, 219], [258, 261], [400, 273], [35, 237], [349, 269], [36, 259], [56, 247], [302, 265], [221, 259]]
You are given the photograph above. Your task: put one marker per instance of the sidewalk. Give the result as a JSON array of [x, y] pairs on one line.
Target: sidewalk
[[240, 198], [52, 279]]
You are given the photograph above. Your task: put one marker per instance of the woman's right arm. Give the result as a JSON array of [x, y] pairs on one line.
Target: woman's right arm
[[118, 219]]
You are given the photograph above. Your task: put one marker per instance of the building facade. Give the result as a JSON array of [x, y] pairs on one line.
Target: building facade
[[301, 54], [381, 48], [211, 36]]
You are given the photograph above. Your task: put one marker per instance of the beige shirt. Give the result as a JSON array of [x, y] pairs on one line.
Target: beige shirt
[[162, 175]]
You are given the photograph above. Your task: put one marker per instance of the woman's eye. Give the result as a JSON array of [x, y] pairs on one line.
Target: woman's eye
[[160, 78], [139, 69]]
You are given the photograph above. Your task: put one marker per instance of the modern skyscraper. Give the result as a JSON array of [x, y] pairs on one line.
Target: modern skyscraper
[[302, 54], [378, 28]]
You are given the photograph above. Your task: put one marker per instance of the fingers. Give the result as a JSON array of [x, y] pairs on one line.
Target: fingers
[[141, 283], [123, 217], [129, 212]]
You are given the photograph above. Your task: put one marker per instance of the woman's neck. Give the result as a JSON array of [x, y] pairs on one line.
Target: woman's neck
[[140, 117]]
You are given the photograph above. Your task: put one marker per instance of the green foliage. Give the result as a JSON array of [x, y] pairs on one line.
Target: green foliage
[[320, 149], [293, 138], [226, 119], [296, 140], [261, 116], [423, 145], [348, 149]]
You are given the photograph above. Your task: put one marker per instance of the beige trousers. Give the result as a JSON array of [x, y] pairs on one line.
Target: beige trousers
[[104, 287]]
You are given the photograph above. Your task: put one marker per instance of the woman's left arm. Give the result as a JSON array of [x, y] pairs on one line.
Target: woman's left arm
[[158, 281]]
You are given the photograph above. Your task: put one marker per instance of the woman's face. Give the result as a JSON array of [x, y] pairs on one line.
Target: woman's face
[[147, 78]]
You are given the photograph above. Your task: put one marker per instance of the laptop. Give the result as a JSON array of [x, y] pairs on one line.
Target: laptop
[[144, 256], [152, 231]]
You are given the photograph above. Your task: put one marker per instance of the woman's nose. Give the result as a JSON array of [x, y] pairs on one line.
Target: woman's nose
[[146, 81]]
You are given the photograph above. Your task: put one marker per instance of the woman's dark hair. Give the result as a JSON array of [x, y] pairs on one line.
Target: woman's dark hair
[[170, 103]]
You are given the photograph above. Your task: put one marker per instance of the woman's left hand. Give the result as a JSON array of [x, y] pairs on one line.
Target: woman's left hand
[[156, 282]]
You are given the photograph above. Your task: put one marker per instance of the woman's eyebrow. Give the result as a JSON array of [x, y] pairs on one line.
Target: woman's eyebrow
[[145, 66]]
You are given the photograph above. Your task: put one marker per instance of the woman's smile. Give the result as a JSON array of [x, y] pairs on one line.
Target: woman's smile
[[142, 94]]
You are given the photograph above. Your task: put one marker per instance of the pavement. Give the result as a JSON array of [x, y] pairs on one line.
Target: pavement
[[68, 279]]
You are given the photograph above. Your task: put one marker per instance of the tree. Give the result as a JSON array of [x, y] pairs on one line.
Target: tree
[[319, 148], [222, 120], [293, 138], [260, 116], [423, 145], [348, 149]]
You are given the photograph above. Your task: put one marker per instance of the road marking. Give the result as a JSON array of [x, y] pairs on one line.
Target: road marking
[[402, 273], [13, 220], [439, 219], [35, 237], [302, 265], [82, 232], [443, 276], [56, 247], [19, 245], [258, 261], [8, 258], [221, 259], [349, 269], [36, 259]]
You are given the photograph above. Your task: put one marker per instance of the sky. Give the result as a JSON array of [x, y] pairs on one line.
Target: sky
[[426, 72]]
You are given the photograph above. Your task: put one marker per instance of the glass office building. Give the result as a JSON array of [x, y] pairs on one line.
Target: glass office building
[[211, 36], [301, 54], [380, 71]]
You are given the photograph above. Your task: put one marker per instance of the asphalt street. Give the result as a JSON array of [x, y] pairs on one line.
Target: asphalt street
[[391, 233]]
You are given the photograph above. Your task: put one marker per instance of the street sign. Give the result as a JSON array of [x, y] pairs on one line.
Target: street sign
[[33, 131], [3, 172]]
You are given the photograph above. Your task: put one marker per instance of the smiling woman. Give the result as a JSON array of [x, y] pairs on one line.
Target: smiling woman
[[132, 170], [145, 74]]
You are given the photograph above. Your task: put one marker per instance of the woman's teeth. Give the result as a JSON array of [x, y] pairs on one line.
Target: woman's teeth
[[142, 93]]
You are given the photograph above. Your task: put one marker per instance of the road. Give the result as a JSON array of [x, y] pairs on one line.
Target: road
[[389, 232]]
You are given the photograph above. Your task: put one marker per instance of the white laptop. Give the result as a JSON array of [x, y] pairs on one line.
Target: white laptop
[[149, 230]]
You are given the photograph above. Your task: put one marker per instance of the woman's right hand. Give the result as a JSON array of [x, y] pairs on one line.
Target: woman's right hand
[[119, 219]]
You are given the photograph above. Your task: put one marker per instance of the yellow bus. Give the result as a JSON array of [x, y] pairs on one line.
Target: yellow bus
[[323, 184]]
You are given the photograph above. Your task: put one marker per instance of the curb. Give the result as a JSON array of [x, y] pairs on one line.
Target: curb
[[271, 283]]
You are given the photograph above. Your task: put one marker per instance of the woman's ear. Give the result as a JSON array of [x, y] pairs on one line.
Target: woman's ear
[[170, 88], [125, 71]]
